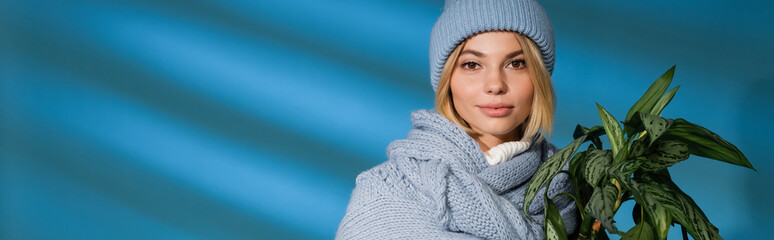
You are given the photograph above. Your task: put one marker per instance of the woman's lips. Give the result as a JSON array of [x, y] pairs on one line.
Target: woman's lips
[[496, 110]]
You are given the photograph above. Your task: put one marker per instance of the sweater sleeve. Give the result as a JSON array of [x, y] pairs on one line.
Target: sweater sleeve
[[377, 212]]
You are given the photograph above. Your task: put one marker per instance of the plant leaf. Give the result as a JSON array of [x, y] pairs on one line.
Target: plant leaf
[[591, 134], [596, 166], [653, 124], [632, 126], [622, 154], [681, 207], [651, 96], [639, 148], [666, 153], [554, 225], [626, 168], [601, 206], [548, 170], [657, 185], [612, 129], [701, 228], [658, 201], [704, 143], [663, 101], [577, 162], [642, 231], [655, 213], [582, 188], [637, 213], [580, 131]]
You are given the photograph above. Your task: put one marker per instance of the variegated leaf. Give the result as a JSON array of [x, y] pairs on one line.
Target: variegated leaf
[[681, 207], [612, 129], [596, 166], [601, 206], [580, 131], [591, 134], [554, 225], [700, 226], [653, 200], [548, 170], [632, 126], [577, 162], [705, 143], [626, 168], [582, 188], [638, 148], [660, 202], [663, 101], [655, 125], [666, 153], [621, 156], [642, 231], [653, 94]]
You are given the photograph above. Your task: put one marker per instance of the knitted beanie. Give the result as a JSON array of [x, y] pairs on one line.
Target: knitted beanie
[[463, 18]]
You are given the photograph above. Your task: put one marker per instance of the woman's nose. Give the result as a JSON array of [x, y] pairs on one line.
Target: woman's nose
[[495, 83]]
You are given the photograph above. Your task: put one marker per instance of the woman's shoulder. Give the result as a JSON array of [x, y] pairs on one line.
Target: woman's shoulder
[[378, 174], [406, 178], [549, 148], [381, 179]]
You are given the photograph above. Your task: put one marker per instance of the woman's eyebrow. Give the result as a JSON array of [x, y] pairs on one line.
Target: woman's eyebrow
[[514, 54], [474, 52], [480, 54]]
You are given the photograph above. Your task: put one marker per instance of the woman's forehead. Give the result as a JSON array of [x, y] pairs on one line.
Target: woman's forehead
[[492, 43]]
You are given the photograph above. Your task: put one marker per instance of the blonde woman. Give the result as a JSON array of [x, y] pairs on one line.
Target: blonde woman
[[462, 171]]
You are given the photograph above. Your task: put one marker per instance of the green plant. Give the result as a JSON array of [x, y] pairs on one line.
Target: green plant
[[635, 167]]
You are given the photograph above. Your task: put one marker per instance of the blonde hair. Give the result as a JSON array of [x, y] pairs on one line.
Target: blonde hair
[[540, 121]]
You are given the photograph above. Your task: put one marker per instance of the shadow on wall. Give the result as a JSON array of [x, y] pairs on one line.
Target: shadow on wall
[[102, 171]]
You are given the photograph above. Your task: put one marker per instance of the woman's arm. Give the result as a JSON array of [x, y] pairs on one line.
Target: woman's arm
[[376, 214], [386, 217]]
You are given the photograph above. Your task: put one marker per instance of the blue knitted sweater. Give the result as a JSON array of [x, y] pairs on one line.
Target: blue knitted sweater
[[437, 185]]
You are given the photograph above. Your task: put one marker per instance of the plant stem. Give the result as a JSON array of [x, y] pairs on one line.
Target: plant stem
[[642, 134], [585, 229], [620, 195]]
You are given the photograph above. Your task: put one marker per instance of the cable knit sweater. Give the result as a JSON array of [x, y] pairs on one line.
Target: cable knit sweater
[[437, 184]]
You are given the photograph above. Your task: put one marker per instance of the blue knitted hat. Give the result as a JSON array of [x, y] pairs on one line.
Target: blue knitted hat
[[463, 18]]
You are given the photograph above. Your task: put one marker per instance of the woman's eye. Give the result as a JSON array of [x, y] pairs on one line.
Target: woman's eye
[[518, 64], [470, 66]]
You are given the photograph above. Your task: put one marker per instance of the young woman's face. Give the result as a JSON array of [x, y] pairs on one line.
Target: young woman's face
[[491, 88]]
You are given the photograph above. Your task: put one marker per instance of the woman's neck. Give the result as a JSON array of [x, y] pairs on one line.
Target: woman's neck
[[488, 141]]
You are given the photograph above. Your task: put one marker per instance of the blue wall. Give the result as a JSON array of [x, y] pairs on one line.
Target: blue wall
[[243, 119]]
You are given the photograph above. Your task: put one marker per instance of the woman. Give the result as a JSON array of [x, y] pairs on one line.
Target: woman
[[462, 171]]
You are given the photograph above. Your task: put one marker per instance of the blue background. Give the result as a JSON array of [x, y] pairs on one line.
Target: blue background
[[240, 119]]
